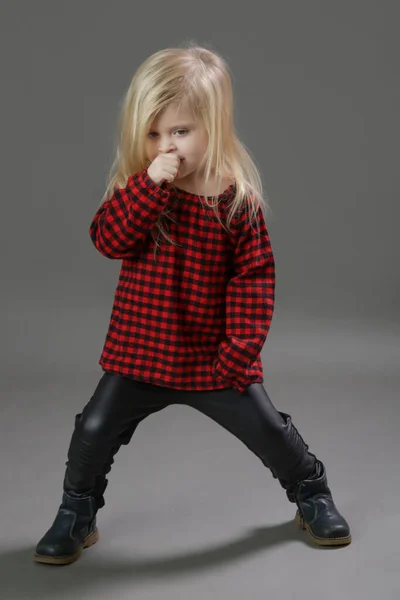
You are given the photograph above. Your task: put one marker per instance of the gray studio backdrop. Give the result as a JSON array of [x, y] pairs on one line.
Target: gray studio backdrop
[[190, 513], [317, 97]]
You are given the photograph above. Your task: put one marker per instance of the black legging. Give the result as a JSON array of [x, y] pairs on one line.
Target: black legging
[[119, 404]]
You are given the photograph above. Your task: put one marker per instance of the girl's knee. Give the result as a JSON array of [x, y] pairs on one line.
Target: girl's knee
[[94, 424]]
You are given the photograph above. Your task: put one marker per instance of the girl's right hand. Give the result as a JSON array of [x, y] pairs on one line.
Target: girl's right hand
[[164, 167]]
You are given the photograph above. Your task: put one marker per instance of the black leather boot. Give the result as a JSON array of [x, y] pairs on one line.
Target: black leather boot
[[317, 513], [73, 529]]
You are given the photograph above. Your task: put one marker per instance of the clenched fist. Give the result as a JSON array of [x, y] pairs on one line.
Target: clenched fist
[[165, 167]]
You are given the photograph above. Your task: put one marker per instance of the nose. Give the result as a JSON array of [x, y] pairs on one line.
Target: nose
[[167, 147]]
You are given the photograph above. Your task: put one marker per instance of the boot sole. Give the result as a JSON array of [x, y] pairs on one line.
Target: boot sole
[[343, 541], [91, 539]]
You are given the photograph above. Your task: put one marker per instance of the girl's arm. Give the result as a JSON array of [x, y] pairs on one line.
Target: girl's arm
[[250, 297], [122, 223]]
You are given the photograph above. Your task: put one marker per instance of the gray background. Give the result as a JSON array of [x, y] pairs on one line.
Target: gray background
[[190, 512]]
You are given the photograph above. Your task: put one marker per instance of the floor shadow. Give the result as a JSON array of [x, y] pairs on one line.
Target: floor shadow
[[21, 577]]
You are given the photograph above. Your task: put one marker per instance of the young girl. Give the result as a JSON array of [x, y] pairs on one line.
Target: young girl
[[193, 306]]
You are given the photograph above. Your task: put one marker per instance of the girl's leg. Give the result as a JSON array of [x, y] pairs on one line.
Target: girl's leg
[[271, 435], [107, 421], [268, 433]]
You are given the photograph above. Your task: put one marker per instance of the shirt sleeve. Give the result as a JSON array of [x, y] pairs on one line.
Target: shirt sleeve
[[122, 223], [250, 297]]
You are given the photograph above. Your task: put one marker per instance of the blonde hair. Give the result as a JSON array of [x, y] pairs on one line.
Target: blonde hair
[[200, 78]]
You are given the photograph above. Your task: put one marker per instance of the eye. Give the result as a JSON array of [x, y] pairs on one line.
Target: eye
[[152, 134]]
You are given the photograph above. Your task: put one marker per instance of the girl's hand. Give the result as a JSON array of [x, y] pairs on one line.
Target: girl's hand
[[165, 167]]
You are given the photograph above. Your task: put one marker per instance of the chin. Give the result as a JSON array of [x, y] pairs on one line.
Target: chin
[[187, 174]]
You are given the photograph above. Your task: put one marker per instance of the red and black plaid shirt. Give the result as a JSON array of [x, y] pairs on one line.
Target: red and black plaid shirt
[[198, 317]]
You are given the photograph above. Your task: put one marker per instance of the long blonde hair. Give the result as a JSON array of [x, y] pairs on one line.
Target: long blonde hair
[[200, 78]]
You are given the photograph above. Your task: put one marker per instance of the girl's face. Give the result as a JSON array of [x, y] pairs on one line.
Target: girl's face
[[176, 131]]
